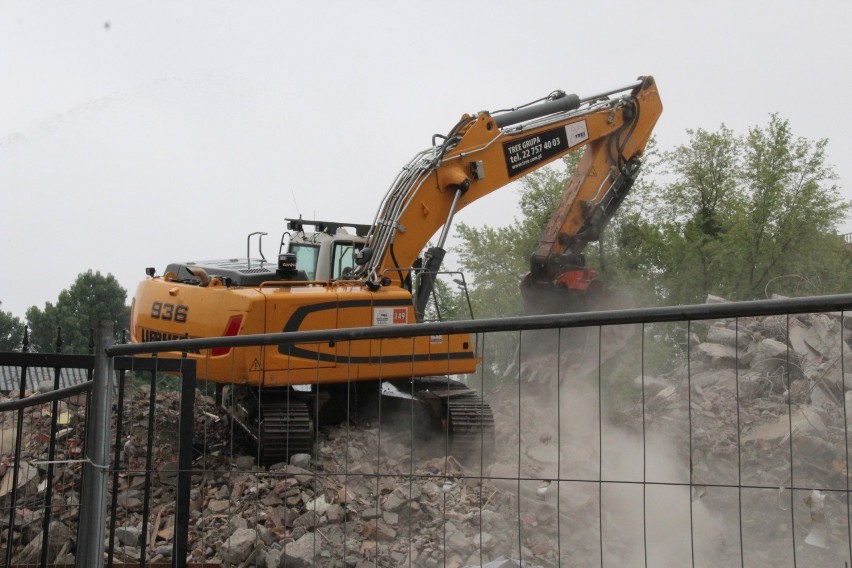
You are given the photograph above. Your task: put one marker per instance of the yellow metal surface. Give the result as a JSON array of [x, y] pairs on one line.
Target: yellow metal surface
[[298, 307]]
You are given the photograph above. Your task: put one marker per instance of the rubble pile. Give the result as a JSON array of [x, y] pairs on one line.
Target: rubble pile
[[362, 502], [770, 386], [752, 393], [719, 426], [360, 499]]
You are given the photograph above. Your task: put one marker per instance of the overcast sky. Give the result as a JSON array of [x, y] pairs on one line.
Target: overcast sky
[[134, 134]]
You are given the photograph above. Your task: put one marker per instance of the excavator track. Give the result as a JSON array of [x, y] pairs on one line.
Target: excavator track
[[471, 426], [276, 429], [277, 426], [467, 417], [285, 430]]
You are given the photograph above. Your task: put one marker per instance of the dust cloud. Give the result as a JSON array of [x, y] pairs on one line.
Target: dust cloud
[[611, 450], [616, 494], [638, 464]]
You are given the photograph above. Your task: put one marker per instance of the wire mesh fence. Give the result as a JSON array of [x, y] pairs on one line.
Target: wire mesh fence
[[695, 436]]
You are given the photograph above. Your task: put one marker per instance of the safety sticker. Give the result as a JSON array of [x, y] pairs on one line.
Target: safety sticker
[[255, 366], [390, 316]]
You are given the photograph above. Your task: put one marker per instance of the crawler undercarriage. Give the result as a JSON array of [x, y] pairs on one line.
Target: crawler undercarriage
[[280, 422]]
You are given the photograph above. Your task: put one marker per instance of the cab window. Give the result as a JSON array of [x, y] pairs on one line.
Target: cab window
[[343, 260], [306, 258]]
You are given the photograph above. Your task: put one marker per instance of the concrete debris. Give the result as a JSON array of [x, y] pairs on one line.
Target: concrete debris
[[128, 535], [27, 474], [237, 547], [504, 562], [300, 553], [360, 498], [301, 460], [746, 395], [818, 534], [759, 400], [716, 353], [722, 334], [59, 536]]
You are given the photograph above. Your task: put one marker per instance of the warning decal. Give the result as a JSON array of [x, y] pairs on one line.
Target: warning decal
[[255, 366], [390, 316], [528, 152]]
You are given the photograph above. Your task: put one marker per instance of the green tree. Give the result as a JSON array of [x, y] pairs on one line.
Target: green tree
[[11, 332], [727, 214], [490, 257], [693, 212], [742, 211], [792, 209], [90, 298]]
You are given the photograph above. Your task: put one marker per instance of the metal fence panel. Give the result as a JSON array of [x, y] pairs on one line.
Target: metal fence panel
[[703, 436]]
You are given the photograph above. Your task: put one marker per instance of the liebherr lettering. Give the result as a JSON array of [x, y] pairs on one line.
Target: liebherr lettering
[[148, 335]]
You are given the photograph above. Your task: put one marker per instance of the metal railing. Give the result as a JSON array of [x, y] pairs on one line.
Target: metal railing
[[65, 497], [20, 417], [562, 510], [695, 435]]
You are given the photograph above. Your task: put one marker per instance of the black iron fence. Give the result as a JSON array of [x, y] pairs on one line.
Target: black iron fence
[[711, 435], [39, 441], [56, 491]]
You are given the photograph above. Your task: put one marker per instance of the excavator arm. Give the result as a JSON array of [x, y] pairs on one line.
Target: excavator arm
[[487, 151]]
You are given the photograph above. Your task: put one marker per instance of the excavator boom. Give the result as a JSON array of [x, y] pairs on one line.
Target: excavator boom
[[485, 152]]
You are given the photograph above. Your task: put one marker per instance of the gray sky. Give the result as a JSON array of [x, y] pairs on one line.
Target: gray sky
[[133, 134]]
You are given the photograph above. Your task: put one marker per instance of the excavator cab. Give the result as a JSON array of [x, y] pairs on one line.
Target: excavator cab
[[328, 252]]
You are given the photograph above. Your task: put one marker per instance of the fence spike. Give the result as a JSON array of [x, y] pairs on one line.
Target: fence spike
[[25, 345], [91, 341], [59, 339]]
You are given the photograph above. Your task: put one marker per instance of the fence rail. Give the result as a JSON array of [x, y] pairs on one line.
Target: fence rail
[[695, 435], [835, 303]]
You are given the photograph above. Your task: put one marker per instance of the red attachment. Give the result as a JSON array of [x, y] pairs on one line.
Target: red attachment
[[231, 330], [578, 279]]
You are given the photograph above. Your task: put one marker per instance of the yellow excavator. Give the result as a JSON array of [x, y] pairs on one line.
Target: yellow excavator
[[332, 275]]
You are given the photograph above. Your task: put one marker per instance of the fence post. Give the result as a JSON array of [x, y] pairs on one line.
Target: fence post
[[90, 540], [184, 484]]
